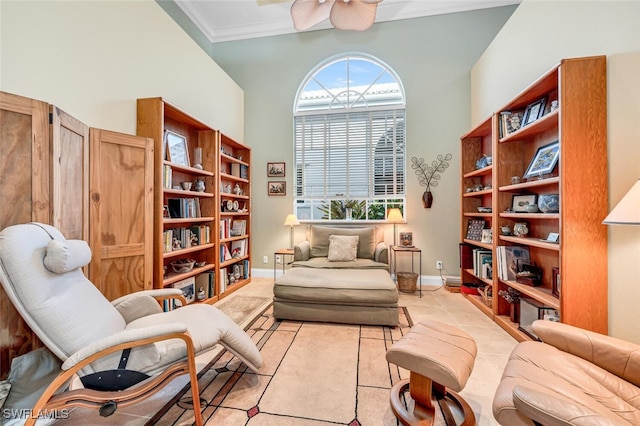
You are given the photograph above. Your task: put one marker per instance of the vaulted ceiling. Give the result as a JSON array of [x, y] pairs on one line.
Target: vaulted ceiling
[[226, 20]]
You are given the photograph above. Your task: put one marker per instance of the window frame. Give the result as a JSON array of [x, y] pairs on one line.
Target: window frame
[[375, 205]]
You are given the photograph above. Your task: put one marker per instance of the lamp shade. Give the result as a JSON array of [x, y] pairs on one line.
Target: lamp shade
[[627, 211], [291, 220], [395, 216]]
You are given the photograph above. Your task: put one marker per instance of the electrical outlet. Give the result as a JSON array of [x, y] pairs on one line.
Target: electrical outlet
[[265, 259], [278, 259], [439, 265]]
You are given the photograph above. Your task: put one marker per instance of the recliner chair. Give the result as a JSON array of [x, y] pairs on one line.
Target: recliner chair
[[123, 351], [573, 377]]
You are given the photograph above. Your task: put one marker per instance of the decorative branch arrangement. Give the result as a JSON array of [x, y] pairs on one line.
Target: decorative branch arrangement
[[429, 175]]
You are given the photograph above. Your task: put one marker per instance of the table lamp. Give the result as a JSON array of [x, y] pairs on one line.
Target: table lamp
[[627, 211], [395, 216], [291, 221]]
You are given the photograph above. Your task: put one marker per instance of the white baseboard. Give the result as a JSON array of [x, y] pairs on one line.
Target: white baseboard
[[427, 280]]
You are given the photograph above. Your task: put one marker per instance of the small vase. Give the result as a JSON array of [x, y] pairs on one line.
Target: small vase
[[427, 199], [348, 213]]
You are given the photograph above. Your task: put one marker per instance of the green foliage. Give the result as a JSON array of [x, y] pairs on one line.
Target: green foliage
[[338, 208]]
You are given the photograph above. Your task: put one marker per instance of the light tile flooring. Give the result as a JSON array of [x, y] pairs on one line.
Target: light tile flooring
[[494, 347]]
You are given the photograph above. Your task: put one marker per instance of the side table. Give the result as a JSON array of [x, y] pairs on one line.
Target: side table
[[283, 253], [394, 257]]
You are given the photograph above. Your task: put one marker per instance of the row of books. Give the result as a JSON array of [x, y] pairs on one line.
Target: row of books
[[184, 207], [232, 228], [181, 238], [234, 250], [509, 258], [482, 263], [167, 176], [226, 273]]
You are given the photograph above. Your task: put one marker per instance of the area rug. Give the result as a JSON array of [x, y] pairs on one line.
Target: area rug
[[241, 308], [313, 374]]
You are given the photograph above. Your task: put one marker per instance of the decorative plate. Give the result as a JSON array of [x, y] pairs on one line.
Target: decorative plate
[[236, 205]]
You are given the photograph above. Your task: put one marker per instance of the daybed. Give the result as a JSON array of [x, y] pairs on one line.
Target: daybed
[[330, 285]]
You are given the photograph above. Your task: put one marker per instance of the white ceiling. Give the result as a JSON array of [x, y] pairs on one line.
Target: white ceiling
[[226, 20]]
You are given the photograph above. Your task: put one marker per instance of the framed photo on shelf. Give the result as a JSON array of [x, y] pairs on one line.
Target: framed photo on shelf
[[544, 161], [276, 169], [534, 111], [510, 121], [277, 188], [555, 282], [519, 203], [177, 151]]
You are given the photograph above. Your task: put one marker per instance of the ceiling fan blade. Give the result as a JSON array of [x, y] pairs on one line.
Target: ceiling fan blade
[[357, 15], [307, 13]]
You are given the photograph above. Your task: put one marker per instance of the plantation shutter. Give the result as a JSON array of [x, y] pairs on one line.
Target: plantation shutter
[[355, 155]]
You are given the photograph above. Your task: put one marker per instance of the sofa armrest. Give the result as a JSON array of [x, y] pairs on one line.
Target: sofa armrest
[[617, 356], [382, 253], [302, 251]]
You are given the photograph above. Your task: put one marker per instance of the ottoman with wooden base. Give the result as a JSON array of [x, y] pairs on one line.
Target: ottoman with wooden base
[[440, 359]]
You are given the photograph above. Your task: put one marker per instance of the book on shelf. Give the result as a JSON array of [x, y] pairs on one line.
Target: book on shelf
[[184, 208], [509, 257], [225, 254], [224, 279], [167, 176], [510, 121], [240, 170], [225, 228], [239, 248], [238, 228], [246, 271], [206, 281], [188, 287], [480, 258]]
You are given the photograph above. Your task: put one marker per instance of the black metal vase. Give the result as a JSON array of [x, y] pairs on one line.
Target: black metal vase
[[427, 199]]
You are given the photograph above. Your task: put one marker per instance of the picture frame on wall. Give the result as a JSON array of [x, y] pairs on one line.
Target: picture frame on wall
[[276, 169], [519, 203], [544, 161], [277, 188], [534, 111], [177, 149]]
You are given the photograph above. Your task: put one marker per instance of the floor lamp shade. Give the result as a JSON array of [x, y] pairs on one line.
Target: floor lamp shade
[[627, 211], [291, 221]]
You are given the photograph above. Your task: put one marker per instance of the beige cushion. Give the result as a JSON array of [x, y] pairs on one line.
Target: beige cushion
[[342, 248], [66, 255], [436, 350], [319, 239]]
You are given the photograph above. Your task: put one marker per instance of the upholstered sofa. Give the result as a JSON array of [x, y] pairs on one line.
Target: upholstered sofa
[[339, 274], [573, 377]]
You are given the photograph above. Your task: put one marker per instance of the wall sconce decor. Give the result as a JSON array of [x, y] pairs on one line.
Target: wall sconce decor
[[430, 175]]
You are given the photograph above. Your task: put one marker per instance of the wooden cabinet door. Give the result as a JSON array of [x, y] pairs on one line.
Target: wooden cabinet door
[[24, 197], [121, 212], [69, 175]]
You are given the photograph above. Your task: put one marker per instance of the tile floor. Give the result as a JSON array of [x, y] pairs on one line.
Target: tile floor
[[494, 347]]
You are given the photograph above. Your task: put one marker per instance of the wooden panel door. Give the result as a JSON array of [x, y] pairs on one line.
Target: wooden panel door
[[69, 175], [121, 212], [24, 197]]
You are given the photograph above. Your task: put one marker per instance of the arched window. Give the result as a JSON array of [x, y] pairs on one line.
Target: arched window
[[349, 140]]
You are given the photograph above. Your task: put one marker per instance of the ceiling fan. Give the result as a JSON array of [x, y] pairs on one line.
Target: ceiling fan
[[356, 15]]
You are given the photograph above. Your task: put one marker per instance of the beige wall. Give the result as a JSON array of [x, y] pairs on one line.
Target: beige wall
[[535, 38], [94, 59], [433, 57]]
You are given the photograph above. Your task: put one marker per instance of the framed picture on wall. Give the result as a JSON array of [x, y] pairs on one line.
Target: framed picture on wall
[[276, 169], [277, 188]]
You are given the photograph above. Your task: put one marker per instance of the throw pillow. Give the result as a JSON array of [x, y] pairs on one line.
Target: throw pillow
[[343, 248]]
